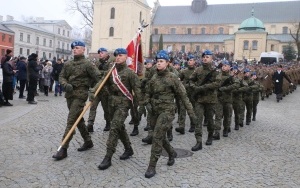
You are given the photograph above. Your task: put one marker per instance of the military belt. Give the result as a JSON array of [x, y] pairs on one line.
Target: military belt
[[162, 97]]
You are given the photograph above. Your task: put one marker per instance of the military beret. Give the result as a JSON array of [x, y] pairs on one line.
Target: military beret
[[176, 62], [225, 62], [246, 70], [163, 51], [235, 67], [207, 52], [120, 51], [102, 50], [77, 43], [162, 56], [253, 73], [191, 57]]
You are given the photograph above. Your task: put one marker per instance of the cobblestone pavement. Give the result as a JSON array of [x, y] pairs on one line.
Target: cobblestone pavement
[[264, 154]]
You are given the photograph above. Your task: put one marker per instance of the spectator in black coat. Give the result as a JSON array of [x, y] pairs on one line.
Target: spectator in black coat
[[7, 86], [22, 75], [55, 74], [278, 81], [33, 75]]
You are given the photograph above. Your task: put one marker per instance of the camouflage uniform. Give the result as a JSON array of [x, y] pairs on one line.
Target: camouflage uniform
[[256, 89], [248, 100], [205, 97], [103, 65], [161, 92], [79, 73]]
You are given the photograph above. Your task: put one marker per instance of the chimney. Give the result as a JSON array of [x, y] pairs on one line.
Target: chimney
[[1, 18], [39, 19], [9, 18]]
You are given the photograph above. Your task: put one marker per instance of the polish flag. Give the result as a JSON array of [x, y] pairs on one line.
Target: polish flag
[[135, 56]]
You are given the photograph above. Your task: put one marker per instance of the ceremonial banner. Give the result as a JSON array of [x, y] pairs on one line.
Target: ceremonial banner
[[135, 55]]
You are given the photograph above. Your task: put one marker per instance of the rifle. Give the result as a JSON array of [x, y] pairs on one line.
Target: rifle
[[227, 82]]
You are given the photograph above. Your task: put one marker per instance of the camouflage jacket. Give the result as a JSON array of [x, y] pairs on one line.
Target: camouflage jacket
[[161, 91], [79, 72], [227, 84], [211, 80]]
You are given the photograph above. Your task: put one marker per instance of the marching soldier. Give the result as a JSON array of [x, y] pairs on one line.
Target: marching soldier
[[75, 77], [247, 97], [256, 89]]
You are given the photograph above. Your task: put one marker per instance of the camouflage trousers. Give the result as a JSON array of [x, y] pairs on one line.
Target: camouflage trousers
[[182, 114], [93, 110], [249, 108], [75, 106], [255, 103], [202, 109], [223, 110], [238, 106], [163, 122], [119, 113]]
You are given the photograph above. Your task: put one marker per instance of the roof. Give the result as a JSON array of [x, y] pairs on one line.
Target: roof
[[4, 28], [174, 38], [252, 23], [50, 22], [30, 26], [267, 12]]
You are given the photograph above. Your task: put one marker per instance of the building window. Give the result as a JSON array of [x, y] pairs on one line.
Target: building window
[[44, 42], [21, 36], [63, 32], [28, 38], [28, 51], [58, 31], [173, 30], [111, 31], [37, 42], [272, 47], [50, 55], [44, 55], [140, 16], [58, 44], [285, 30], [254, 45], [2, 52], [3, 37], [189, 31], [63, 45], [216, 48], [183, 48], [21, 51], [50, 43], [221, 30], [198, 48], [68, 33], [246, 45], [156, 31], [68, 47], [10, 39], [112, 13], [203, 30]]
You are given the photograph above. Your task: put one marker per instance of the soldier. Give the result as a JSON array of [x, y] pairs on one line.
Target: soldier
[[121, 85], [104, 64], [184, 76], [161, 91], [75, 77], [223, 109], [278, 81], [256, 89], [247, 98], [204, 81]]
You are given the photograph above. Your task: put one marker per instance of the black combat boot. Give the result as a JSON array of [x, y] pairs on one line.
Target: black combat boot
[[180, 130], [147, 140], [86, 145], [127, 153], [225, 132], [107, 126], [150, 172], [90, 127], [253, 118], [209, 139], [105, 163], [171, 160], [147, 127], [205, 123], [248, 123], [192, 129], [229, 129], [131, 122], [135, 131], [236, 127], [216, 135], [61, 154], [197, 147], [242, 124], [170, 135]]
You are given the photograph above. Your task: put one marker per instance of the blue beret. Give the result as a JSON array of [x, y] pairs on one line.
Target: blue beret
[[191, 57], [77, 43], [163, 51], [102, 50], [162, 56], [225, 62], [120, 51], [235, 67], [246, 70], [207, 52], [176, 62], [253, 73]]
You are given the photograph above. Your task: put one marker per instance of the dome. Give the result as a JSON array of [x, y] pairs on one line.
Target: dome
[[252, 23]]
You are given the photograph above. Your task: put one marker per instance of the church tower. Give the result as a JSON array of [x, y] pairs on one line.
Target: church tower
[[115, 23]]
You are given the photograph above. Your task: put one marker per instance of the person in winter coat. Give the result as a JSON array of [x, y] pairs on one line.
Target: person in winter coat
[[7, 86], [22, 76], [46, 75]]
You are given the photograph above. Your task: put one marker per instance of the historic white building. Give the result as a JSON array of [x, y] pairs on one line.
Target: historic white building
[[115, 22], [47, 38]]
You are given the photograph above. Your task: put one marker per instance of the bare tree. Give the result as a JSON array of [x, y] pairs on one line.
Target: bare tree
[[85, 8], [296, 36]]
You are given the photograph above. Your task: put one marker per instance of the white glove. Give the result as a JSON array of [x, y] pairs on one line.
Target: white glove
[[292, 84]]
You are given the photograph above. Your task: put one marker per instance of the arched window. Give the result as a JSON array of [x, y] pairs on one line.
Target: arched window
[[246, 45], [285, 30], [183, 48], [140, 16], [254, 45], [221, 30], [156, 31], [111, 31], [202, 30], [272, 47], [112, 13]]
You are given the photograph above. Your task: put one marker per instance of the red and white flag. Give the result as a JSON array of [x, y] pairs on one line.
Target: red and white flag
[[135, 55]]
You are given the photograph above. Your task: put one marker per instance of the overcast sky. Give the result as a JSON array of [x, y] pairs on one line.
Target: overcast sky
[[56, 9]]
